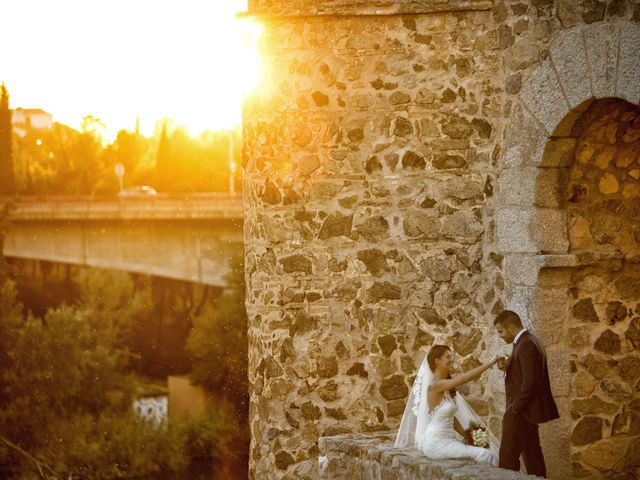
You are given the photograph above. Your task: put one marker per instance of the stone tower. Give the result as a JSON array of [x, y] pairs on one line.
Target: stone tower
[[411, 169]]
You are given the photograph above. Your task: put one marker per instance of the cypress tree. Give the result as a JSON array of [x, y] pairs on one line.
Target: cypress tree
[[163, 160], [7, 178]]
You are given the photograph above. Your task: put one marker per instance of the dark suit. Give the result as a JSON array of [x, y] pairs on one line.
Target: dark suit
[[529, 402]]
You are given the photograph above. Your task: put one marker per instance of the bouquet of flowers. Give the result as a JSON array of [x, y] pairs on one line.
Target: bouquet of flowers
[[477, 436]]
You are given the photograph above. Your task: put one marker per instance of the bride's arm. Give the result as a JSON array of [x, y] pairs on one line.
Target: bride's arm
[[449, 383]]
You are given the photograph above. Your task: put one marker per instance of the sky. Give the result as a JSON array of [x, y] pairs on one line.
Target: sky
[[189, 60]]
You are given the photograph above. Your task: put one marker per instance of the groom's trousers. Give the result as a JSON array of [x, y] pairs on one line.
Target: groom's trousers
[[520, 437]]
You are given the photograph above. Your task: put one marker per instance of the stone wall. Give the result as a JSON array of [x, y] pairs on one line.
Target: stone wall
[[374, 182], [603, 188], [605, 340], [372, 456]]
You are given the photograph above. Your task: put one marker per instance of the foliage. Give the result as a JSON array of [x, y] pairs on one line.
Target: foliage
[[211, 438], [65, 161], [7, 180], [114, 445], [65, 397], [65, 394], [218, 341], [57, 366], [113, 304]]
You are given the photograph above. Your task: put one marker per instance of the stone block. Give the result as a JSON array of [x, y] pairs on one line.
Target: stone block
[[523, 53], [550, 230], [525, 140], [554, 438], [522, 301], [584, 312], [516, 186], [532, 230], [583, 384], [543, 96], [593, 405], [570, 59], [628, 86], [462, 226], [601, 41], [552, 309], [559, 363], [587, 430], [528, 186], [522, 269], [558, 153], [417, 223], [608, 342], [607, 454], [439, 268], [568, 13], [461, 187]]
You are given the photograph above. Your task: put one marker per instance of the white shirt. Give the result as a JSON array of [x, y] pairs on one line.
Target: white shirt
[[515, 340]]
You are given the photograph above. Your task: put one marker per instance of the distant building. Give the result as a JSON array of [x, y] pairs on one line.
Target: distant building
[[25, 119]]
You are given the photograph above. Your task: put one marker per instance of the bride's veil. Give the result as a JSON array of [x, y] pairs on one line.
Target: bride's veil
[[466, 415], [415, 417]]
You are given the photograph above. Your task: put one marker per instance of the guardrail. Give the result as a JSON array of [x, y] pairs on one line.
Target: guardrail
[[116, 197], [198, 206]]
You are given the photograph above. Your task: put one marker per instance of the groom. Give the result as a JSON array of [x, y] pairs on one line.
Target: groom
[[529, 398]]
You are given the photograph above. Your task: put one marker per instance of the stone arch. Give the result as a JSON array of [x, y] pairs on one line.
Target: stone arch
[[584, 64]]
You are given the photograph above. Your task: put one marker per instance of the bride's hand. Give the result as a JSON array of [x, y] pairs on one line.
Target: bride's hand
[[502, 362]]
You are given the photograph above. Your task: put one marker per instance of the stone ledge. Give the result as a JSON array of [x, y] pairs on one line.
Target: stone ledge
[[350, 8], [373, 456]]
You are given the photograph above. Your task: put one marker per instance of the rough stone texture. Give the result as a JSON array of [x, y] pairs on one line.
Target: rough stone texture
[[628, 72], [602, 44], [525, 139], [570, 61], [542, 187], [360, 7], [602, 193], [544, 83], [583, 310], [588, 430], [374, 457], [608, 342], [604, 385], [533, 230], [379, 159]]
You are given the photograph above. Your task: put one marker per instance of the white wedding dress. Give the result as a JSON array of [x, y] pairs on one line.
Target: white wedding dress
[[433, 432]]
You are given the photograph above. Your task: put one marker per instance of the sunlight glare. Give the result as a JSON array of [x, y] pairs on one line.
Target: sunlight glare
[[192, 61]]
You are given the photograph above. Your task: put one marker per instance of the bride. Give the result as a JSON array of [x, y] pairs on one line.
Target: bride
[[435, 411]]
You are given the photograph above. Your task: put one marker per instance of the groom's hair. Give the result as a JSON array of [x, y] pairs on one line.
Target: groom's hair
[[508, 317]]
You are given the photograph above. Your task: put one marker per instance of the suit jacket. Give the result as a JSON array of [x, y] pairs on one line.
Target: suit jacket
[[527, 382]]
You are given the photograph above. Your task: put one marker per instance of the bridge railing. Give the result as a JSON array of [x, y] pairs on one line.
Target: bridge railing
[[192, 206]]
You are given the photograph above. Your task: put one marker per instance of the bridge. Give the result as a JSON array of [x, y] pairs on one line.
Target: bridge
[[188, 237]]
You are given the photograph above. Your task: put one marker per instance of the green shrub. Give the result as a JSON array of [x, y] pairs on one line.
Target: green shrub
[[210, 438], [218, 343], [114, 445]]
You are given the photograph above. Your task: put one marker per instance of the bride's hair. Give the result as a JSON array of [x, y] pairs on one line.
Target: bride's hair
[[437, 351]]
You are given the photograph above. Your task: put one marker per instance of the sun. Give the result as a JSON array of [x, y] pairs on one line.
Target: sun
[[235, 72], [193, 61]]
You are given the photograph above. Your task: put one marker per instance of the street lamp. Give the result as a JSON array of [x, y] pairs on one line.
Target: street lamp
[[120, 174], [232, 165]]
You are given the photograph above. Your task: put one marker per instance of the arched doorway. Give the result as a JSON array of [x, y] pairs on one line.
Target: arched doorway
[[567, 207]]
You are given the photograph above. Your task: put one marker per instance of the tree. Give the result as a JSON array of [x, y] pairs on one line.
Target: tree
[[218, 341], [164, 160], [7, 180]]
